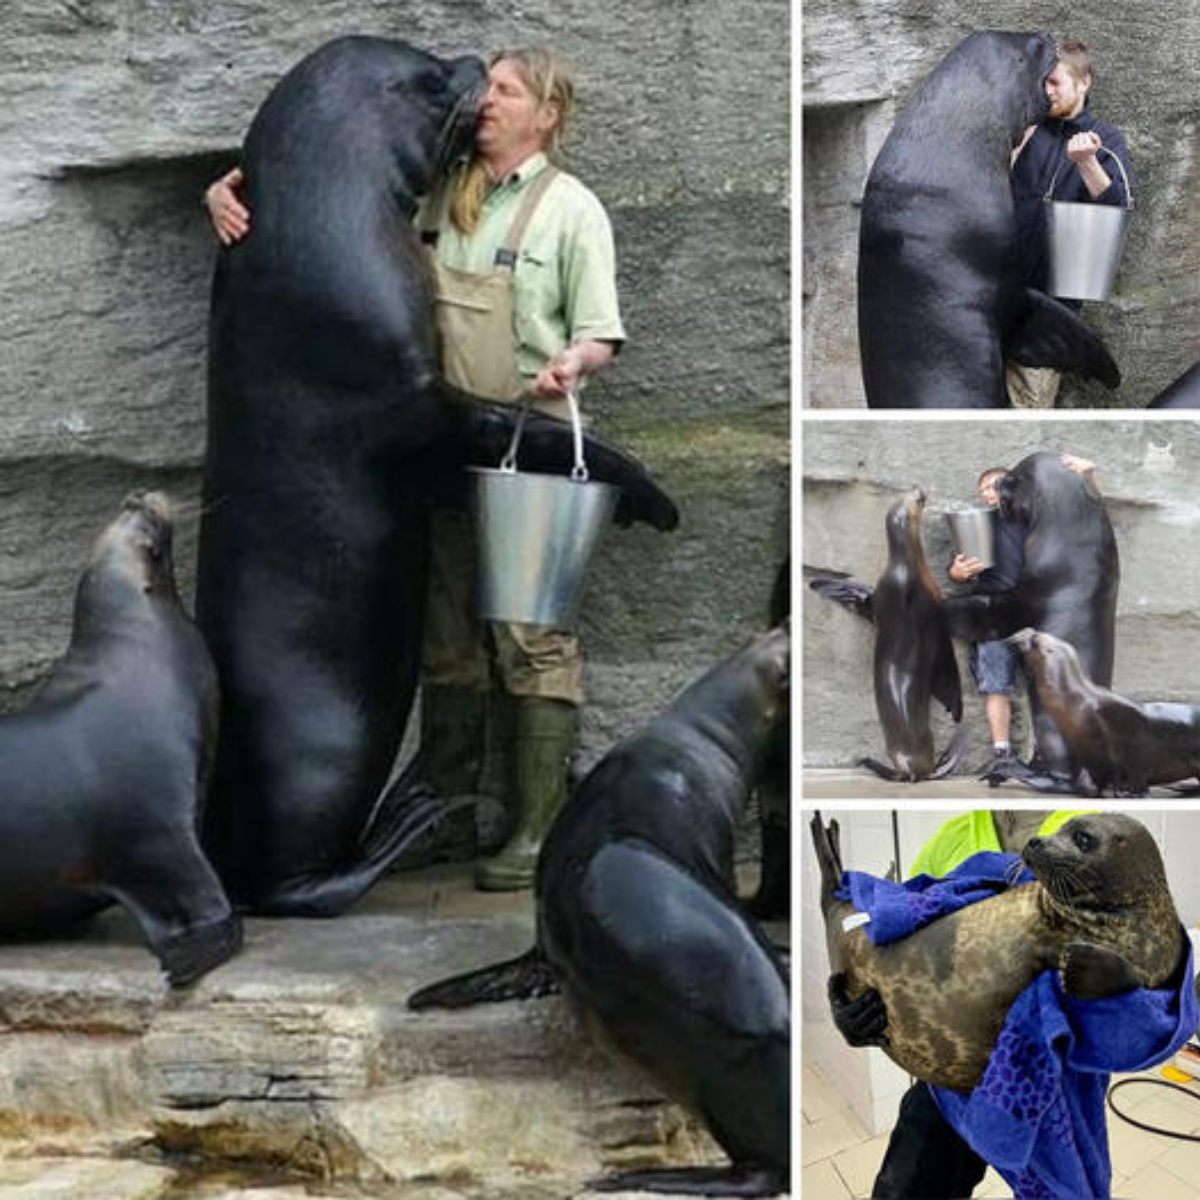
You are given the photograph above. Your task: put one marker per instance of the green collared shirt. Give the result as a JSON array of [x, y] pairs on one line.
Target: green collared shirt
[[564, 280], [967, 834]]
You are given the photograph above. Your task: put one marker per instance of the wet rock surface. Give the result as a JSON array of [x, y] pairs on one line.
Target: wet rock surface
[[295, 1069]]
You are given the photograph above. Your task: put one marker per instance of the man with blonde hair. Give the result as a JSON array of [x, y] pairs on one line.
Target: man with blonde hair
[[1064, 150], [526, 306]]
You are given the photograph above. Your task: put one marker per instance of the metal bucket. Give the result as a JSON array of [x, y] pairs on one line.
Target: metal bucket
[[536, 535], [973, 531], [1085, 242]]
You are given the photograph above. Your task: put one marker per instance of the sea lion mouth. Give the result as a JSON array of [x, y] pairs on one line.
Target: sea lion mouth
[[458, 132]]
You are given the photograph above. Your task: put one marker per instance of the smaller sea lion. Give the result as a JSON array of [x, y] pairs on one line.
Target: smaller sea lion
[[104, 773], [1099, 910], [1119, 745], [639, 921], [914, 657]]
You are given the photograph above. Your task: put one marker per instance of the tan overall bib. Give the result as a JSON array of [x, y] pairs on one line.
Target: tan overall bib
[[475, 328]]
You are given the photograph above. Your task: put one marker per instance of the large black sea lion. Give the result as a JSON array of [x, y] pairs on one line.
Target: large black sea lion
[[914, 659], [103, 775], [1068, 587], [639, 920], [326, 418], [941, 303], [1118, 745], [1099, 910]]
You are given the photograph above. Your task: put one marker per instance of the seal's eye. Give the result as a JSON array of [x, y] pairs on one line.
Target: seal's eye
[[1083, 840]]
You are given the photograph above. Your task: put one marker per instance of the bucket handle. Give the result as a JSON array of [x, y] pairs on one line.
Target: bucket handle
[[1120, 166], [579, 472]]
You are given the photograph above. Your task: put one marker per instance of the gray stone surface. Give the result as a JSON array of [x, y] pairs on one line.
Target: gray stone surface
[[297, 1061], [1149, 473], [118, 113], [863, 59]]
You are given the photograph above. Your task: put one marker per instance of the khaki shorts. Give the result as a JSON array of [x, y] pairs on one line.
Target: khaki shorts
[[1031, 387], [460, 650]]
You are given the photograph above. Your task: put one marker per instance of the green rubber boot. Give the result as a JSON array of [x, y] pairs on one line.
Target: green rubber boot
[[448, 764], [545, 736]]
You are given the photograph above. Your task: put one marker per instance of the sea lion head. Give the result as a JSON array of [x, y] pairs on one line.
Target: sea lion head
[[1098, 865], [1011, 68], [904, 518], [1053, 661], [135, 550], [382, 100]]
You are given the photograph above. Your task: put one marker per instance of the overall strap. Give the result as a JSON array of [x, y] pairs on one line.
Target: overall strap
[[506, 255]]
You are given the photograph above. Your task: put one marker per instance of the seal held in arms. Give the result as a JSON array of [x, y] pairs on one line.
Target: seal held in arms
[[326, 420], [1099, 910], [104, 773]]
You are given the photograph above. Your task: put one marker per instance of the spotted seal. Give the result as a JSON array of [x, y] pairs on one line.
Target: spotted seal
[[1099, 910]]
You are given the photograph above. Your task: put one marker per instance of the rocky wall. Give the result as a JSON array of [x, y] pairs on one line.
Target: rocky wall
[[116, 114], [1149, 474], [862, 62]]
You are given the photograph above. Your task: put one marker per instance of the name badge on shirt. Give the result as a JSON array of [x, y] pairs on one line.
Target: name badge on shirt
[[505, 258]]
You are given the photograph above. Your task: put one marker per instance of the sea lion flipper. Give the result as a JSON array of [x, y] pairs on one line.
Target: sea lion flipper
[[1051, 335], [947, 686], [525, 977], [1091, 972], [483, 431], [696, 1181], [849, 593]]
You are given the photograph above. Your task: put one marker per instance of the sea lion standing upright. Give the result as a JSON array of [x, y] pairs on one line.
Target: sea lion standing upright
[[914, 657], [326, 418], [639, 920], [1117, 745], [1099, 910], [103, 774], [1068, 587], [941, 302]]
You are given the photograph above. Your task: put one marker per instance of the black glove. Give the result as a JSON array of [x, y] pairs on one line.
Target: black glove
[[860, 1021]]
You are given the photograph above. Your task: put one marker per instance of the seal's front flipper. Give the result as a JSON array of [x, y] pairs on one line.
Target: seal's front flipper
[[849, 593], [953, 754], [697, 1181], [1049, 334], [483, 431], [1091, 972], [522, 978]]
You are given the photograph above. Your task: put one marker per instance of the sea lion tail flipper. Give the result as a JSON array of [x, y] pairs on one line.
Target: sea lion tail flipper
[[826, 844], [953, 754], [521, 978], [483, 431], [735, 1180], [999, 770], [881, 769], [1052, 335], [849, 593]]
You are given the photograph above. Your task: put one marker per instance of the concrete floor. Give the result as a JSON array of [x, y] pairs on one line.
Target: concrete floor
[[857, 783]]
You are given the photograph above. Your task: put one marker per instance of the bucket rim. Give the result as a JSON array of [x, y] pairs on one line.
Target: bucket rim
[[549, 476]]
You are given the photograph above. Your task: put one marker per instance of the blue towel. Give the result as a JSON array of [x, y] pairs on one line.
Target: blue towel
[[1037, 1115], [897, 909]]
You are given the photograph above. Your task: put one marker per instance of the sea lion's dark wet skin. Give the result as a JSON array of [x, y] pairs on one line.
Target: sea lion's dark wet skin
[[1124, 747], [941, 302], [1068, 587], [1099, 911], [638, 918], [326, 419], [1183, 393], [914, 659], [104, 773]]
